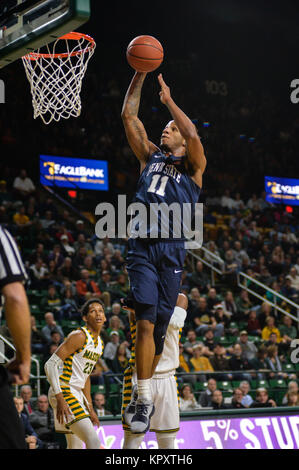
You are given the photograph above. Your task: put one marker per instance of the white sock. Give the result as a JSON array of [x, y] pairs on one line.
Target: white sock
[[144, 389], [132, 441]]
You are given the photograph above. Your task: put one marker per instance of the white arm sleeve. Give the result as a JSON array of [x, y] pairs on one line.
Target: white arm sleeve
[[51, 369], [178, 317]]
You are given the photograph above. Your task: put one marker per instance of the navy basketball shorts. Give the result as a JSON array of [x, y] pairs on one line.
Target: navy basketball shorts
[[155, 271]]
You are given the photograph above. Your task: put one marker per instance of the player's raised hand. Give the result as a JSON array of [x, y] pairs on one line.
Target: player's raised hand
[[165, 90]]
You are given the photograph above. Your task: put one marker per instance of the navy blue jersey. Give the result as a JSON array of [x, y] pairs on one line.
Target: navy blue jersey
[[169, 186]]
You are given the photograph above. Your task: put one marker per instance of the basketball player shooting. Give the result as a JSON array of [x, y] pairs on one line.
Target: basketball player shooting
[[171, 173]]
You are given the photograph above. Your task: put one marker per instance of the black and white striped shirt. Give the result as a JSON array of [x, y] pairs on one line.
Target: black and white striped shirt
[[11, 265]]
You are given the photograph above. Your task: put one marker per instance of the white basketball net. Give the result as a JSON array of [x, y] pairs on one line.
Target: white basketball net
[[56, 78]]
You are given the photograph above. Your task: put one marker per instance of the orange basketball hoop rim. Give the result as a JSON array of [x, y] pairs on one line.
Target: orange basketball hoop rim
[[70, 36]]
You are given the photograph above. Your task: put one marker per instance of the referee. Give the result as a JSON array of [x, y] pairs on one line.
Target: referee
[[17, 314]]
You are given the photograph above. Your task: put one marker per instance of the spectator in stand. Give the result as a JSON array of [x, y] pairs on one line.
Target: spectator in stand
[[184, 366], [5, 196], [292, 399], [101, 244], [238, 363], [253, 325], [38, 340], [205, 399], [231, 267], [221, 318], [260, 363], [274, 363], [120, 361], [205, 320], [249, 349], [288, 291], [220, 362], [111, 347], [90, 266], [47, 220], [78, 260], [42, 420], [67, 249], [23, 186], [56, 338], [229, 305], [200, 363], [30, 435], [212, 298], [51, 325], [218, 401], [262, 399], [117, 260], [187, 399], [265, 312], [115, 324], [199, 278], [237, 398], [288, 332], [190, 342], [86, 288], [21, 220], [82, 243], [269, 329], [247, 399], [69, 309], [26, 395], [56, 256], [52, 301], [121, 287], [105, 284], [99, 405], [292, 387], [210, 342], [99, 372], [67, 270], [244, 305]]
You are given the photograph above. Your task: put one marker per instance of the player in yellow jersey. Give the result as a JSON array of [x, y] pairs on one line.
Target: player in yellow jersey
[[166, 420], [68, 372]]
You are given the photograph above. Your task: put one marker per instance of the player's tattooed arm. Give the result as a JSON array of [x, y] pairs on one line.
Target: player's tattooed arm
[[195, 150], [135, 131]]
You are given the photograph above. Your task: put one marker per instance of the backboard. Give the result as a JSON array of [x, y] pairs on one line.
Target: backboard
[[26, 25]]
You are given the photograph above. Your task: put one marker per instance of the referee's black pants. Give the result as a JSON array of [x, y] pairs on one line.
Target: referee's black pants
[[11, 427]]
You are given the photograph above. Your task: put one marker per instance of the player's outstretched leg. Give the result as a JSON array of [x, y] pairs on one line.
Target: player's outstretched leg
[[145, 352]]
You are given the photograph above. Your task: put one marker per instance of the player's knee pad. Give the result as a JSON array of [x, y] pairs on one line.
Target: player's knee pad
[[159, 335], [145, 312], [166, 440]]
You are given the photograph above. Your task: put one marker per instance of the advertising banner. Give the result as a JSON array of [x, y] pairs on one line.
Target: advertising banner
[[260, 432], [74, 173], [282, 190]]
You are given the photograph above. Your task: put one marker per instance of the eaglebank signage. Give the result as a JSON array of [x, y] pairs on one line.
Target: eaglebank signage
[[74, 173], [260, 432], [282, 190]]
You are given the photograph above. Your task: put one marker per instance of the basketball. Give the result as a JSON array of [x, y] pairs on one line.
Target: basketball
[[145, 53]]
